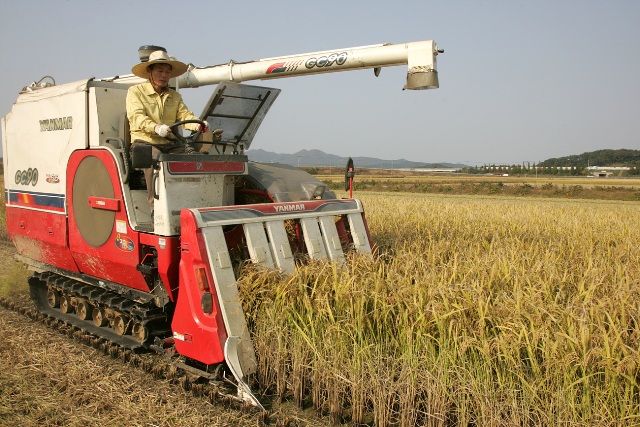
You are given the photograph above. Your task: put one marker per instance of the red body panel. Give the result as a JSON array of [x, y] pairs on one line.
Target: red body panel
[[41, 236], [104, 203], [197, 335], [117, 258], [168, 260], [40, 230]]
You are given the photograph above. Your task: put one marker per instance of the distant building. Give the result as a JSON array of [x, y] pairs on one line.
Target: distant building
[[446, 170], [605, 172]]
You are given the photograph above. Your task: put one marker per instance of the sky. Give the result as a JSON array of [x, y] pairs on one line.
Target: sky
[[520, 81]]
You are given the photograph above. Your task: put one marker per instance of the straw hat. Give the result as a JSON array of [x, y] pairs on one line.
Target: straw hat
[[159, 57]]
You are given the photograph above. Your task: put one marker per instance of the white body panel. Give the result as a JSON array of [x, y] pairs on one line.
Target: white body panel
[[43, 129], [180, 191], [107, 110], [40, 133]]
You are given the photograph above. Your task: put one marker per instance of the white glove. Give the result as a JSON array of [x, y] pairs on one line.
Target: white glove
[[162, 130], [206, 126]]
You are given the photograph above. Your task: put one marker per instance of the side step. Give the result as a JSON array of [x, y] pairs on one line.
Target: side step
[[269, 245]]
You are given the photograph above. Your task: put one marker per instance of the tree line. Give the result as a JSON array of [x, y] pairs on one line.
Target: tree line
[[578, 164]]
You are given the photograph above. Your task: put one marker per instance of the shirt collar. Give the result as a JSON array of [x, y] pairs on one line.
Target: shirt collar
[[150, 91]]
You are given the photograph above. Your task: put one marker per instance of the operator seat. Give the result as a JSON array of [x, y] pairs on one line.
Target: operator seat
[[135, 177], [125, 133]]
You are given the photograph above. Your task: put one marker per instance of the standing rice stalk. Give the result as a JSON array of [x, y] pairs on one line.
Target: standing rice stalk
[[477, 311]]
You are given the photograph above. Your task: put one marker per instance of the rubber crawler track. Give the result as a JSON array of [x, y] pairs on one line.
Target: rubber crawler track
[[151, 363], [146, 314]]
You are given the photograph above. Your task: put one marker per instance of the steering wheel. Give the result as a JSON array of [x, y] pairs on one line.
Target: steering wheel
[[186, 140]]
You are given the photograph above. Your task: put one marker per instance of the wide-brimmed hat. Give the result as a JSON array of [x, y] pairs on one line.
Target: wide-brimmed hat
[[159, 57]]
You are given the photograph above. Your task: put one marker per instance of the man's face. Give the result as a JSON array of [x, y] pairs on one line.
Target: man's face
[[160, 74]]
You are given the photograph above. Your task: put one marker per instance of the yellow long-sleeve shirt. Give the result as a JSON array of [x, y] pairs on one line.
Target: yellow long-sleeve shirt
[[146, 109]]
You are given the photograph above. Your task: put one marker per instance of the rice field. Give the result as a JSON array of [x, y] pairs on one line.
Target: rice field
[[627, 188], [476, 311]]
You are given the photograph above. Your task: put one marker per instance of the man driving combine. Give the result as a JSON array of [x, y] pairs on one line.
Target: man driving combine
[[153, 106]]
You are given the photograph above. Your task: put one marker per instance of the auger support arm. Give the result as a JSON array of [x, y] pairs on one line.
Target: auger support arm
[[419, 56]]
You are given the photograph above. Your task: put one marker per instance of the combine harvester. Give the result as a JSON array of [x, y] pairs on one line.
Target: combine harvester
[[78, 214]]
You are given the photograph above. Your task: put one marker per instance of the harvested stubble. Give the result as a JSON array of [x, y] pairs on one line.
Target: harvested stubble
[[477, 311], [50, 380]]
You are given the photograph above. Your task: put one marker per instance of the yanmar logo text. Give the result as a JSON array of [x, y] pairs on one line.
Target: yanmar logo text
[[60, 123], [290, 208]]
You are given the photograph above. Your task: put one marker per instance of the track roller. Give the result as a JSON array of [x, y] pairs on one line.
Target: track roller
[[99, 318], [140, 332], [121, 324], [65, 304], [53, 298], [84, 309]]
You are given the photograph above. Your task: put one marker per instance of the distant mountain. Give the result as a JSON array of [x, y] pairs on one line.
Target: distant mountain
[[608, 157], [320, 158]]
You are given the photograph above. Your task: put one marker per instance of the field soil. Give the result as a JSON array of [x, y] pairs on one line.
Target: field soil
[[54, 381]]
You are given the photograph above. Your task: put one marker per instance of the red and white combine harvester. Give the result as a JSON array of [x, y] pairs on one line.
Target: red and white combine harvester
[[78, 214]]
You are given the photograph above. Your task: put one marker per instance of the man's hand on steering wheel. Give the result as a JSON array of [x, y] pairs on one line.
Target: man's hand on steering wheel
[[191, 138], [179, 140], [162, 130]]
